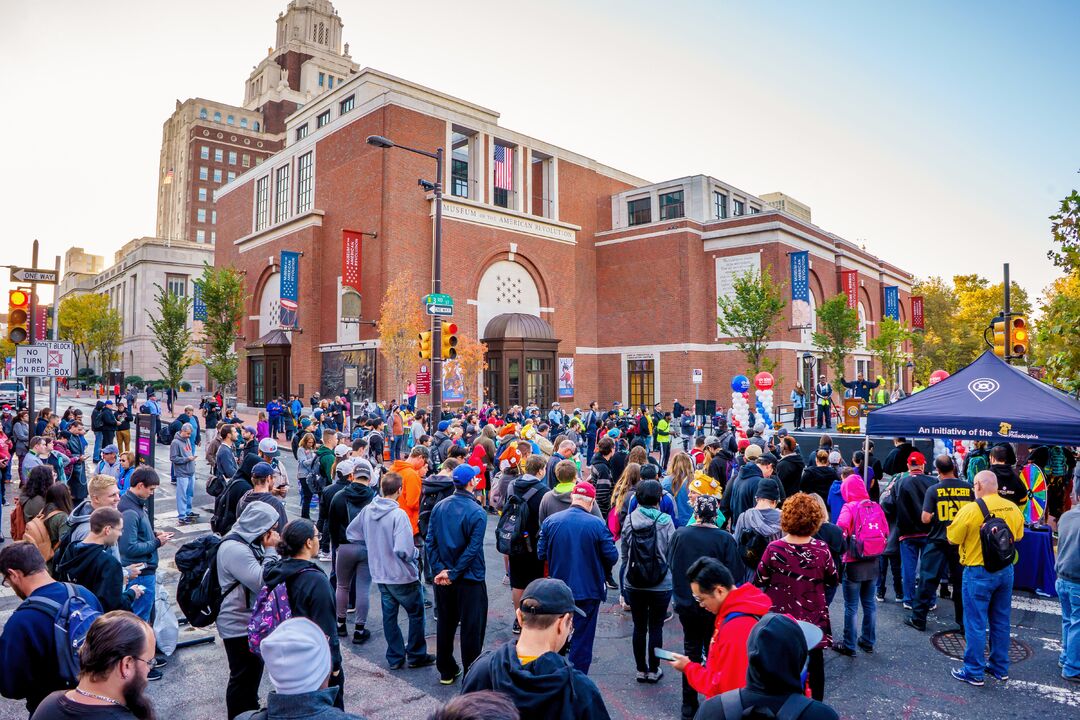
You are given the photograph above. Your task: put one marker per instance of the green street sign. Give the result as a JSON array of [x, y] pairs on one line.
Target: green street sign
[[439, 299]]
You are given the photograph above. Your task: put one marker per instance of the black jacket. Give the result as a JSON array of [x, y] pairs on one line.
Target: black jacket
[[789, 472], [740, 497], [521, 486], [548, 688], [138, 543], [346, 505], [1010, 486], [697, 541], [95, 568], [617, 463], [818, 479], [250, 458], [896, 461], [310, 596], [717, 469], [903, 504], [604, 482], [326, 501]]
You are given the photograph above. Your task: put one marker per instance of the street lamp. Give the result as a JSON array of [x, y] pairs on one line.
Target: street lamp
[[436, 270]]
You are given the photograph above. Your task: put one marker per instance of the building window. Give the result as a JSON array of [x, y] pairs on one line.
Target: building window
[[202, 194], [301, 132], [262, 202], [256, 126], [502, 168], [245, 161], [330, 82], [204, 173], [213, 217], [754, 210], [231, 176], [322, 79], [230, 120], [217, 175], [671, 205], [219, 155], [740, 208], [243, 122], [462, 148], [719, 205], [322, 119], [204, 152], [348, 104], [200, 215], [176, 285], [202, 113], [213, 236], [200, 236], [232, 157], [281, 196], [303, 182], [640, 211], [258, 161], [217, 116], [640, 374]]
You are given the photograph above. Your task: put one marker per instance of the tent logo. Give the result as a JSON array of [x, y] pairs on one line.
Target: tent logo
[[983, 388]]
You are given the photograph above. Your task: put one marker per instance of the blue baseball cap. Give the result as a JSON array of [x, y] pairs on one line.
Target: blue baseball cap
[[262, 469], [464, 474]]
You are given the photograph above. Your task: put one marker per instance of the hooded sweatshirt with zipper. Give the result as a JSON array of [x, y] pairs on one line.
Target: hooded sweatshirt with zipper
[[411, 484], [789, 470], [641, 518], [78, 524], [310, 596], [548, 688], [725, 666], [94, 567], [240, 560], [385, 528], [138, 544]]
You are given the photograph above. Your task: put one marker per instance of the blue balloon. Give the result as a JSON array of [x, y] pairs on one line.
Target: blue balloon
[[740, 383]]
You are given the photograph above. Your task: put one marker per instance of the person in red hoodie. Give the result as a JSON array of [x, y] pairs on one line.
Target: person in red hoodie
[[737, 610]]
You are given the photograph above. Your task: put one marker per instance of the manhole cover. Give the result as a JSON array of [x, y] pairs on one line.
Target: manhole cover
[[953, 644]]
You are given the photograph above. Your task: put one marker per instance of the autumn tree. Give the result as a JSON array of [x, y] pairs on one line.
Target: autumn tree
[[222, 292], [105, 337], [78, 313], [400, 322], [1056, 332], [888, 347], [751, 314], [837, 332], [979, 303], [935, 347], [472, 357], [171, 336]]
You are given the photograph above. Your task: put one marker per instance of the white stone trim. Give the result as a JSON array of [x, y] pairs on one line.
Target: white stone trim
[[361, 345], [510, 220], [643, 236], [685, 347], [312, 218]]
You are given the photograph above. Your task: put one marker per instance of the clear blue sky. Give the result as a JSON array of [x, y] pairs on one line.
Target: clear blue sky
[[940, 134]]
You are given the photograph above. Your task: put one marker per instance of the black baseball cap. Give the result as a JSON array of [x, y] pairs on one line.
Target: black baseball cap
[[548, 596]]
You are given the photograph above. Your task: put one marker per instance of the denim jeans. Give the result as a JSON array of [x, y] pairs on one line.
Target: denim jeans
[[910, 551], [987, 601], [860, 593], [144, 605], [185, 493], [409, 597], [99, 440], [1069, 594]]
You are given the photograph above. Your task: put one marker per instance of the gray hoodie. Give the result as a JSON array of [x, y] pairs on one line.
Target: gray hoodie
[[182, 455], [764, 522], [665, 532], [385, 528], [242, 562], [79, 522]]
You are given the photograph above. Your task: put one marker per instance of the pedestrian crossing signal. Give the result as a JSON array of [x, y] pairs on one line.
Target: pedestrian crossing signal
[[449, 340], [18, 316]]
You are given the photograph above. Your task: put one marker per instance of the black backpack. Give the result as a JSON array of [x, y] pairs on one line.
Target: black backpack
[[752, 546], [998, 544], [165, 432], [429, 498], [510, 535], [221, 508], [95, 421], [646, 565], [792, 709], [198, 592]]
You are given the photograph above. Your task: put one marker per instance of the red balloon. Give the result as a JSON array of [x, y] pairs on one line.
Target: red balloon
[[937, 376], [763, 381]]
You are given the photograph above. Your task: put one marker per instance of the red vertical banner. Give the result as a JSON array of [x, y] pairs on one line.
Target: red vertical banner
[[41, 315], [917, 312], [849, 281], [350, 259]]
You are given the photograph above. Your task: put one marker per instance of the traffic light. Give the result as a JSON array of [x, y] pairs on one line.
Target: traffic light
[[1020, 336], [424, 344], [18, 316], [1000, 329], [449, 340]]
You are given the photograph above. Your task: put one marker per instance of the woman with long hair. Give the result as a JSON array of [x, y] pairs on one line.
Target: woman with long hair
[[307, 470], [58, 506], [20, 431], [798, 402], [624, 488], [32, 497], [42, 421], [677, 483], [127, 469]]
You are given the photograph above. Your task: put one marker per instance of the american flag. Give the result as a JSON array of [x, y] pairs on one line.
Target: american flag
[[503, 170]]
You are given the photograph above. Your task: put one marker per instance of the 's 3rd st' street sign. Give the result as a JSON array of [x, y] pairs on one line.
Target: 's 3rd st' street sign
[[32, 275], [439, 304]]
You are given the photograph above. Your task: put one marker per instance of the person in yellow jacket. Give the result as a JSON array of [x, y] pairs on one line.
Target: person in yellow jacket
[[987, 594], [663, 438]]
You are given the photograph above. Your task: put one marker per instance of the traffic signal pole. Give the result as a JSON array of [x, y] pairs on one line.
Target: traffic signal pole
[[1008, 318], [436, 288], [31, 381]]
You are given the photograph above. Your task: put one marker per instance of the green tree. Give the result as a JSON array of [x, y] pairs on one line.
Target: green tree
[[837, 332], [7, 349], [222, 291], [751, 315], [888, 347], [171, 336], [78, 313], [1056, 333], [935, 347], [105, 337], [979, 303], [1065, 228]]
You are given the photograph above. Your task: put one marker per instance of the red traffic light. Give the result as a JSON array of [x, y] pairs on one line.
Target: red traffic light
[[449, 327]]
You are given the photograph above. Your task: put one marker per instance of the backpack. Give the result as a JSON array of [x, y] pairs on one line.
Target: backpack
[[870, 531], [271, 609], [62, 546], [221, 508], [429, 498], [165, 434], [198, 592], [792, 709], [646, 565], [146, 408], [996, 539], [1056, 463], [96, 424], [71, 622], [510, 535], [37, 533], [18, 521], [976, 464], [752, 546]]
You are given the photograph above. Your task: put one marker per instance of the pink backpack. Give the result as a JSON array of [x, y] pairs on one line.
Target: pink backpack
[[870, 531]]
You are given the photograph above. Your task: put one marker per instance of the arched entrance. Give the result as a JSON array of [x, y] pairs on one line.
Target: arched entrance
[[522, 361]]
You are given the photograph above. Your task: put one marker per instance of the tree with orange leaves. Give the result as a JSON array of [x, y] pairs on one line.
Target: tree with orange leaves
[[399, 325], [471, 359]]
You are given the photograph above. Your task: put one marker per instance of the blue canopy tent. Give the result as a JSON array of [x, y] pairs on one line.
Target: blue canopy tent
[[987, 400]]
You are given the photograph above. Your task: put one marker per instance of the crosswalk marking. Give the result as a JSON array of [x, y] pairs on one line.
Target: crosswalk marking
[[1039, 605], [1061, 695]]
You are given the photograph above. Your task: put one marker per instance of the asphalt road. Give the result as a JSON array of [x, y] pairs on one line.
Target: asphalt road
[[906, 678]]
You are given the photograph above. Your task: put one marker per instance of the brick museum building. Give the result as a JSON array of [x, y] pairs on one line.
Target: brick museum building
[[554, 260]]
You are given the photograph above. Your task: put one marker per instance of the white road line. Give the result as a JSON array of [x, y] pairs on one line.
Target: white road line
[[1061, 695], [1039, 605]]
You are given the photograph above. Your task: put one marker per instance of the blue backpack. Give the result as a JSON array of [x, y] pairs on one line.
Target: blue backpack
[[71, 622]]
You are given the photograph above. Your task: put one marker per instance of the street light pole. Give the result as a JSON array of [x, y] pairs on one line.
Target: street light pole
[[436, 267]]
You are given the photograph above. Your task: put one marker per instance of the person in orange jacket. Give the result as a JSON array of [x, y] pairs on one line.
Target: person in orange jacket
[[412, 470], [737, 610]]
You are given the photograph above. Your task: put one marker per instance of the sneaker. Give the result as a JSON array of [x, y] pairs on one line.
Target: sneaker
[[450, 680], [361, 636], [180, 522], [907, 606], [881, 598], [610, 582], [999, 678], [517, 628], [422, 662], [866, 648], [324, 557], [1071, 678], [912, 622], [959, 674], [844, 650], [506, 579], [398, 665], [898, 599], [342, 631], [192, 515], [160, 660], [427, 603], [933, 607], [154, 674], [642, 677], [654, 677]]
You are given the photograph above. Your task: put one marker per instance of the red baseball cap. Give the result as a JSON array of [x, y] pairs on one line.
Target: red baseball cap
[[584, 488], [916, 458]]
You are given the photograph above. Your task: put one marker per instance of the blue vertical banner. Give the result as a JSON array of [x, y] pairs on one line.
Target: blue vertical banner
[[198, 305], [800, 289], [290, 288], [892, 302]]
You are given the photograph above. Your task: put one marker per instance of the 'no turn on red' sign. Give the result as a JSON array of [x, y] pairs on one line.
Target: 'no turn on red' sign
[[48, 359]]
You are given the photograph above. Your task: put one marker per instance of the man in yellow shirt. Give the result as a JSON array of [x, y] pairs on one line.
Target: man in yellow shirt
[[987, 595]]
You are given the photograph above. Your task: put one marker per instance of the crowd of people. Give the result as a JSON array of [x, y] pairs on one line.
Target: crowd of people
[[743, 538]]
